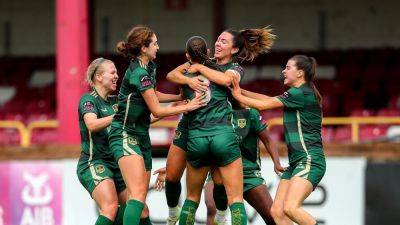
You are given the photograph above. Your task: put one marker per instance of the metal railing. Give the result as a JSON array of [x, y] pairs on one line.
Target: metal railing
[[354, 122]]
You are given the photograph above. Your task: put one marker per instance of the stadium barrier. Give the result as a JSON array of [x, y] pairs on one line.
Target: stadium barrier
[[48, 192], [23, 132], [354, 122]]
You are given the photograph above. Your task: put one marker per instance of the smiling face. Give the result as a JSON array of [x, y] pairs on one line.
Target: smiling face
[[108, 77], [151, 51], [291, 74], [224, 49]]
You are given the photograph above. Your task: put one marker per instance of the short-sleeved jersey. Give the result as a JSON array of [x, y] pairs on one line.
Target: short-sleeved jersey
[[302, 118], [133, 115], [248, 124], [95, 145], [216, 116]]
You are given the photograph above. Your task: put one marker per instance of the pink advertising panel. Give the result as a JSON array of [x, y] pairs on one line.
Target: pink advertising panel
[[35, 193], [4, 194]]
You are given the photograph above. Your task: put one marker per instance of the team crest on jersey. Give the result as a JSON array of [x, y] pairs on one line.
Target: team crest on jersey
[[177, 134], [115, 107], [132, 141], [257, 173], [88, 106], [241, 123], [99, 168], [285, 95]]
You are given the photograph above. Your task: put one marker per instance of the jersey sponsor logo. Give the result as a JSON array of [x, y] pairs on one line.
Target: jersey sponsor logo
[[132, 141], [177, 134], [145, 81], [99, 168], [88, 106], [115, 107], [257, 173], [104, 110], [241, 123], [285, 95]]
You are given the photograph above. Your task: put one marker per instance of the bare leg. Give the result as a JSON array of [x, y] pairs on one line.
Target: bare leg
[[260, 199], [277, 206], [299, 190], [106, 198], [210, 204]]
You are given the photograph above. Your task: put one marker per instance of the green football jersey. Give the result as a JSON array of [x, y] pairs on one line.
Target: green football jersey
[[216, 116], [302, 118], [133, 115], [248, 124], [95, 145]]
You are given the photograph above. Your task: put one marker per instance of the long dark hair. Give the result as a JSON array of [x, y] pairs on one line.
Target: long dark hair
[[251, 42], [196, 47], [309, 66]]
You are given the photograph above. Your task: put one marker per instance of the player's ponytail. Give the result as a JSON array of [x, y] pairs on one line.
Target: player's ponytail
[[309, 66], [252, 42], [136, 38]]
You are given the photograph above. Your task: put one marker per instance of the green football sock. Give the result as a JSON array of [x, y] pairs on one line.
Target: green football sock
[[220, 198], [172, 193], [119, 218], [188, 212], [102, 220], [238, 214], [132, 212], [145, 221]]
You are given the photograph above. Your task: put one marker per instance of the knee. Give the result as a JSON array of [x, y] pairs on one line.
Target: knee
[[277, 211], [289, 209], [138, 193], [211, 210], [109, 208], [172, 174], [145, 212]]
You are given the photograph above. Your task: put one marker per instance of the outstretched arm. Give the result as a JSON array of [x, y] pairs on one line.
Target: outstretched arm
[[218, 77], [157, 110], [265, 103], [176, 76], [255, 95], [263, 135], [162, 97]]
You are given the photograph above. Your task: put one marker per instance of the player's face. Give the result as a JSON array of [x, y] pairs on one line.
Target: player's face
[[151, 51], [291, 73], [109, 77], [224, 46]]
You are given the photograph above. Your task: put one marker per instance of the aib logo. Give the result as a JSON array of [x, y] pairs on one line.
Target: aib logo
[[36, 192], [37, 195]]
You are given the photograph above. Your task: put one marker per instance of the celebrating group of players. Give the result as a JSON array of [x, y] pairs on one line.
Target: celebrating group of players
[[216, 140]]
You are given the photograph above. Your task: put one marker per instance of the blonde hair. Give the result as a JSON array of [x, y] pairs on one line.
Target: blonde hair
[[95, 67]]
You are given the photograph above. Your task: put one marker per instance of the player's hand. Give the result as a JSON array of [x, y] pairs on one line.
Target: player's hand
[[178, 103], [235, 87], [194, 68], [198, 84], [197, 102], [162, 172], [279, 169]]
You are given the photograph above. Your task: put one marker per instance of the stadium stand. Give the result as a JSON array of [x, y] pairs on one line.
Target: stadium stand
[[356, 83]]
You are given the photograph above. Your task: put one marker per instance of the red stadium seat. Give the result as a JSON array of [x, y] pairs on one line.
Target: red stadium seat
[[343, 133], [328, 134], [389, 112], [372, 132]]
